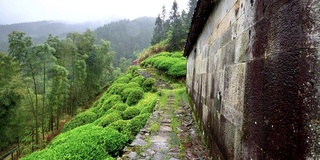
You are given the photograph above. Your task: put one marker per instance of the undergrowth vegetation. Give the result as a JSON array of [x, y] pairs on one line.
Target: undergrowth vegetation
[[102, 131], [172, 64]]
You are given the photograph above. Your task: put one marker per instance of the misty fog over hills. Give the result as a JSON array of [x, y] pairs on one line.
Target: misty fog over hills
[[40, 30]]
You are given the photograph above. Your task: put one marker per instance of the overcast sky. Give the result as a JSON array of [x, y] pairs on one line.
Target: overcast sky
[[16, 11]]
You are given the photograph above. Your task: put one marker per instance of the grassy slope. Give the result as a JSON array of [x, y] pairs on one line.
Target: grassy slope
[[109, 125]]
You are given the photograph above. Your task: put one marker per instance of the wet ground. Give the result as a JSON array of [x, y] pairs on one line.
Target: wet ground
[[170, 134]]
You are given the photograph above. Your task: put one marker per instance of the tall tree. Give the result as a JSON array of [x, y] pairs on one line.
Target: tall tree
[[58, 94], [176, 30], [22, 51], [158, 31], [192, 4], [46, 58], [11, 94]]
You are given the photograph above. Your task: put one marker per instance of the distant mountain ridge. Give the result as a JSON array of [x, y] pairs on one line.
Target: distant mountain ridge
[[126, 36], [41, 28]]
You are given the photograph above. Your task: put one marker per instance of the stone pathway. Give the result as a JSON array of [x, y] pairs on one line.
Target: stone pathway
[[170, 134]]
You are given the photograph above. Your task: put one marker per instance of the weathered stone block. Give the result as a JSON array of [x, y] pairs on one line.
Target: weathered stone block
[[234, 86]]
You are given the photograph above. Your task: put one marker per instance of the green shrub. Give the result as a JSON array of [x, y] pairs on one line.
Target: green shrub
[[164, 54], [130, 112], [136, 123], [120, 106], [165, 64], [43, 154], [133, 70], [111, 110], [122, 79], [177, 54], [149, 107], [148, 83], [115, 88], [138, 79], [80, 119], [158, 60], [128, 75], [108, 119], [85, 142], [132, 85], [145, 63], [134, 97], [110, 102], [126, 92], [178, 70], [119, 125]]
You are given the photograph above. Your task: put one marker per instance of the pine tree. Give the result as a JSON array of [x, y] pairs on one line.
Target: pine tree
[[192, 5], [158, 31], [176, 30]]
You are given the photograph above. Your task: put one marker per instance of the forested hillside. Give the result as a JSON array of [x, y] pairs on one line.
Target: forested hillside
[[127, 36], [45, 83], [39, 31]]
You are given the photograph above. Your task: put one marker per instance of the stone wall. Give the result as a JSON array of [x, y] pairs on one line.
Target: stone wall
[[253, 77]]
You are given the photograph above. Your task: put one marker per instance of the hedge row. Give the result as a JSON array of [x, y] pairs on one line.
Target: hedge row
[[172, 64], [102, 131]]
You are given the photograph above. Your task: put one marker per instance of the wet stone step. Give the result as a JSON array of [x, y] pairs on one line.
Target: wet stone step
[[164, 143]]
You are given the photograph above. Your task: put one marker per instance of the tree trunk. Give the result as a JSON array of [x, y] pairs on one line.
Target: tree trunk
[[36, 106], [43, 98]]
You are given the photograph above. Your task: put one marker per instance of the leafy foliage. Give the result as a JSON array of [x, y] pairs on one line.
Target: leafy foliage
[[130, 112], [85, 142], [108, 118], [120, 125], [148, 107], [107, 104], [138, 79], [122, 79], [116, 88], [173, 64], [126, 92], [120, 106], [134, 97], [178, 70], [136, 123], [11, 94], [79, 120], [148, 83]]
